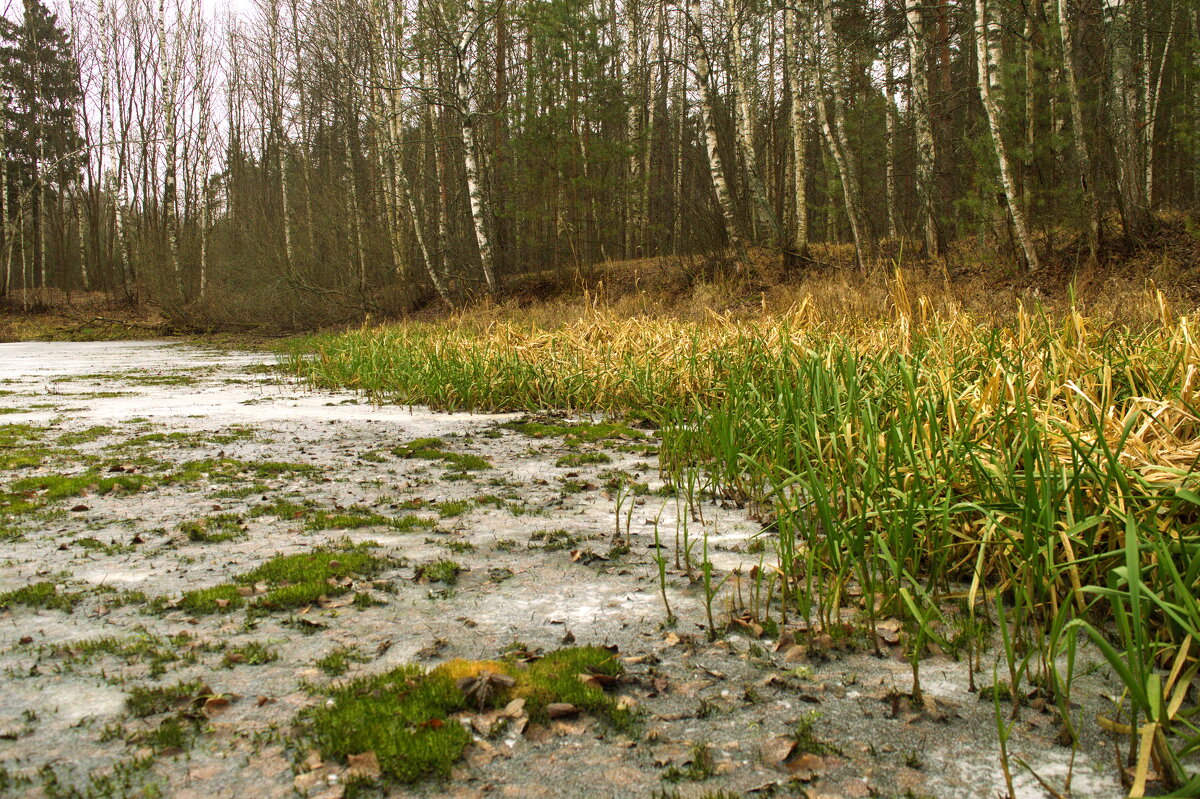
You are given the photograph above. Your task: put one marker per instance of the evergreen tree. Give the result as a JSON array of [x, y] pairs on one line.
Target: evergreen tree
[[40, 79]]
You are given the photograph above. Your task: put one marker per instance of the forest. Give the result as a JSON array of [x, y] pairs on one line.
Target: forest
[[299, 162]]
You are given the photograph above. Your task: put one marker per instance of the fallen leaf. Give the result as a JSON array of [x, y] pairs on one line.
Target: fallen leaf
[[365, 765], [559, 710]]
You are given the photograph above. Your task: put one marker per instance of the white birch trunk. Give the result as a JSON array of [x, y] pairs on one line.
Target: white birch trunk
[[835, 133], [169, 67], [470, 165], [987, 45], [762, 215], [795, 46], [918, 57], [716, 168]]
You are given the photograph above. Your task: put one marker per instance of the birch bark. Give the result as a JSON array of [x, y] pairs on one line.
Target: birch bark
[[987, 43], [716, 168], [918, 60]]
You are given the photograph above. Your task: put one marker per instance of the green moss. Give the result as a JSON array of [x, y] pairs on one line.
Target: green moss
[[283, 508], [356, 517], [401, 716], [337, 661], [298, 595], [172, 735], [228, 469], [432, 449], [441, 571], [321, 563], [452, 508], [84, 436], [574, 431], [218, 599], [555, 678], [145, 701], [31, 493], [254, 653], [96, 545], [582, 459], [553, 540], [293, 580], [405, 715], [39, 595], [212, 529], [155, 652]]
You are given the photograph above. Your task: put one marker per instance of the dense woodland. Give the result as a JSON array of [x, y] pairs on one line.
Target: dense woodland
[[299, 160]]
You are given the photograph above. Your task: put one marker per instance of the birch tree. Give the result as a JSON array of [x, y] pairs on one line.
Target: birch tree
[[987, 50]]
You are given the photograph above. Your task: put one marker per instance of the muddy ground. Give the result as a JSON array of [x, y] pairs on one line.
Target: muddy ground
[[210, 441]]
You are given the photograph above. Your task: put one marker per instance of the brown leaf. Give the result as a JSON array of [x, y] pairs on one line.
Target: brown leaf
[[560, 710], [215, 705], [80, 508], [365, 765]]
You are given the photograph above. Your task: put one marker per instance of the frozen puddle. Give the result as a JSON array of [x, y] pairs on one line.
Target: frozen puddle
[[240, 465]]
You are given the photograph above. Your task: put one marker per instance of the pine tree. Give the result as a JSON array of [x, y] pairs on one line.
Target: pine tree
[[40, 78]]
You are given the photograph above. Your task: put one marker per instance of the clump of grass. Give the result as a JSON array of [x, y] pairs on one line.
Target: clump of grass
[[144, 701], [590, 432], [292, 580], [553, 540], [356, 517], [574, 459], [454, 507], [337, 661], [30, 494], [254, 653], [433, 449], [405, 715], [84, 436], [213, 529], [441, 571], [39, 595]]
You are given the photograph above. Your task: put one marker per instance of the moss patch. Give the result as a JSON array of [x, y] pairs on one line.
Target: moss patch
[[433, 449], [590, 432], [39, 595], [291, 580], [405, 716], [213, 529]]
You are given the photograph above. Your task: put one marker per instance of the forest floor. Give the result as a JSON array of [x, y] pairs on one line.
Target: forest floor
[[134, 473]]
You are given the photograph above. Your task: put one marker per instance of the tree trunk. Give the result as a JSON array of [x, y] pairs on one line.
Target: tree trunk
[[889, 123], [762, 216], [470, 166], [716, 168], [1126, 121], [795, 45], [986, 46], [169, 67], [1091, 202], [918, 61], [836, 134]]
